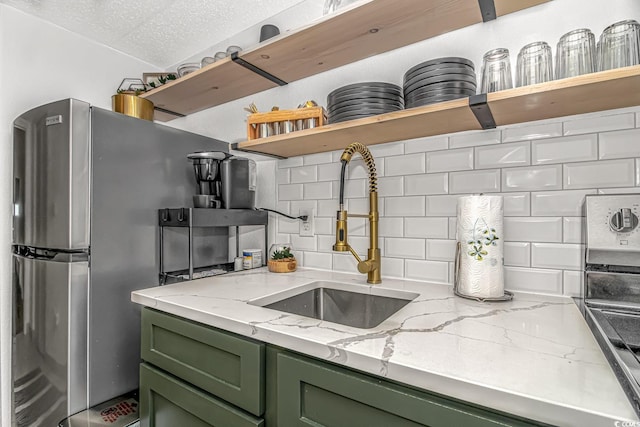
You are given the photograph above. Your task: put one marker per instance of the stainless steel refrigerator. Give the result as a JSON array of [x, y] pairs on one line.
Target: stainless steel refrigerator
[[88, 184]]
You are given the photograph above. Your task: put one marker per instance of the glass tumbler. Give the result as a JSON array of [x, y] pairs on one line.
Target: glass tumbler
[[534, 64], [619, 45], [575, 54], [496, 71]]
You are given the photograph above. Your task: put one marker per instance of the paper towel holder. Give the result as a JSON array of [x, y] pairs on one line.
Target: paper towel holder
[[508, 296]]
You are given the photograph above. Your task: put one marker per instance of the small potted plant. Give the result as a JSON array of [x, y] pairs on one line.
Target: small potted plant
[[281, 260]]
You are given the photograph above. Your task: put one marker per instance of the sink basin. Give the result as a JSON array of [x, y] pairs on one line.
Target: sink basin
[[362, 307]]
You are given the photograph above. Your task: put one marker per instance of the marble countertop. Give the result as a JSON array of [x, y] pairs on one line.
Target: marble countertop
[[534, 356]]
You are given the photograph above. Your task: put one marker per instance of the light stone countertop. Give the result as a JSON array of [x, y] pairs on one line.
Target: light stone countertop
[[534, 356]]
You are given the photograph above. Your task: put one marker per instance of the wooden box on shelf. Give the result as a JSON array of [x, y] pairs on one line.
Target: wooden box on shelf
[[260, 125]]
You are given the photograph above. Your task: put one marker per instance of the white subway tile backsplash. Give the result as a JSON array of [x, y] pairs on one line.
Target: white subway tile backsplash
[[357, 226], [431, 183], [517, 204], [557, 256], [356, 169], [392, 227], [387, 150], [357, 206], [328, 208], [442, 205], [627, 190], [353, 188], [533, 280], [404, 248], [404, 206], [535, 178], [453, 228], [609, 173], [430, 271], [532, 131], [599, 124], [392, 267], [573, 281], [426, 227], [409, 164], [320, 260], [572, 230], [618, 145], [533, 229], [290, 192], [360, 244], [638, 172], [391, 186], [304, 174], [475, 138], [577, 148], [325, 243], [421, 145], [450, 160], [441, 250], [318, 158], [483, 181], [304, 243], [517, 254], [325, 226], [286, 225], [558, 203], [344, 262], [290, 162], [318, 190], [503, 155], [329, 172], [282, 176]]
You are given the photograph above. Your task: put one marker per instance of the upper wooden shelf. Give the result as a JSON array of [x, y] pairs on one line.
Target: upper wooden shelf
[[356, 33], [605, 90]]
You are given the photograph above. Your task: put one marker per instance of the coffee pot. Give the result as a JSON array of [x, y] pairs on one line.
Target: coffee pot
[[207, 165]]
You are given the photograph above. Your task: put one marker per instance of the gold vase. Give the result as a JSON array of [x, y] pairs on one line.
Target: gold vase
[[133, 106]]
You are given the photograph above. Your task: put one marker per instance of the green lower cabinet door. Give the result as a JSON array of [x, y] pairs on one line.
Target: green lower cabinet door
[[165, 401], [313, 393]]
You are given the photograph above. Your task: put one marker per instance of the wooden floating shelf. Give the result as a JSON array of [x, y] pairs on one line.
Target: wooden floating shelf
[[350, 35], [605, 90]]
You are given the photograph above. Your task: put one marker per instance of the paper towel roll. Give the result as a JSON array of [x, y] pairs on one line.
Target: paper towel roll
[[480, 238]]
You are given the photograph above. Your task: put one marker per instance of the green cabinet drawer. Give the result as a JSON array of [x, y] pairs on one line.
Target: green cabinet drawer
[[313, 393], [223, 364], [165, 401]]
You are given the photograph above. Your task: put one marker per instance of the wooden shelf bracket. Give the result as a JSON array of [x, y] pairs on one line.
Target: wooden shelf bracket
[[480, 107]]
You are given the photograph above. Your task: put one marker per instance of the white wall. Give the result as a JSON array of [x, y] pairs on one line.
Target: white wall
[[43, 63]]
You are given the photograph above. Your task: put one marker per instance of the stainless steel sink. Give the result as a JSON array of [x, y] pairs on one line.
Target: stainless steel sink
[[362, 307]]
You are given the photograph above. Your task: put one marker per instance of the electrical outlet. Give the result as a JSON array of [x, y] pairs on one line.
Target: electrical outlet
[[307, 227]]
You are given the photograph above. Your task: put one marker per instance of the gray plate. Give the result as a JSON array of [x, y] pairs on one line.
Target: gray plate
[[442, 72], [363, 98], [434, 100], [442, 95], [437, 61], [368, 93], [444, 78], [358, 114], [454, 69], [363, 104], [365, 86], [365, 111], [441, 91], [352, 117], [442, 85]]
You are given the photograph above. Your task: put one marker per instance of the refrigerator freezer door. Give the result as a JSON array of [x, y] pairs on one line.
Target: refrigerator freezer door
[[51, 176], [49, 340]]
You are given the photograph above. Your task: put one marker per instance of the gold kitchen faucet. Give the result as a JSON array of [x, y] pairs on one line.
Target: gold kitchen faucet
[[370, 266]]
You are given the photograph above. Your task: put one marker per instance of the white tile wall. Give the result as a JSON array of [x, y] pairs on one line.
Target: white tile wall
[[567, 149], [532, 131], [599, 124], [610, 173], [450, 160], [543, 170], [503, 155], [558, 203]]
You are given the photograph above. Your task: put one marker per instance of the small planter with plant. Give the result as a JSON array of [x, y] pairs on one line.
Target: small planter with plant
[[282, 261]]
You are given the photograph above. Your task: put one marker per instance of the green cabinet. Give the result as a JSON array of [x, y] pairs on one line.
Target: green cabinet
[[195, 375]]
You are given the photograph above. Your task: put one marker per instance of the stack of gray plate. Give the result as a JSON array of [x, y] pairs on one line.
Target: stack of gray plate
[[438, 80], [360, 100]]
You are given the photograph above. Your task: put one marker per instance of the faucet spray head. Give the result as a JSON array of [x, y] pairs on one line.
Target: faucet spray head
[[341, 244]]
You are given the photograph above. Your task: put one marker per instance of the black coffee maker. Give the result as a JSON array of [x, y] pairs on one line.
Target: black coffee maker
[[207, 167]]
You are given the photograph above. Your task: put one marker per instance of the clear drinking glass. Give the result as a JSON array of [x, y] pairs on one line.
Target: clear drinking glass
[[575, 54], [496, 71], [619, 45], [534, 64]]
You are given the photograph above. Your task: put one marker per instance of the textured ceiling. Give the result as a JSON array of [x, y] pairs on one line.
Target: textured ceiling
[[160, 32]]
